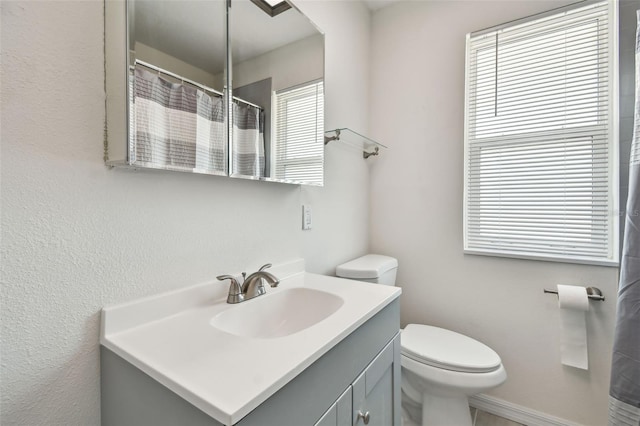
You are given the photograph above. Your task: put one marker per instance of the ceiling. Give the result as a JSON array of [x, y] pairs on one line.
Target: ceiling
[[186, 30], [379, 4], [193, 30]]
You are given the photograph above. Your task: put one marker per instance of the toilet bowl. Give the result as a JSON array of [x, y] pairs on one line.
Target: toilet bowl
[[440, 368]]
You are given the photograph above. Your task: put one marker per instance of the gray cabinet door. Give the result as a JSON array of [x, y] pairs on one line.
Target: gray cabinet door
[[340, 412], [376, 392]]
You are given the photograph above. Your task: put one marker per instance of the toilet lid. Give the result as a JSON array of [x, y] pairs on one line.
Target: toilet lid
[[447, 349], [367, 267]]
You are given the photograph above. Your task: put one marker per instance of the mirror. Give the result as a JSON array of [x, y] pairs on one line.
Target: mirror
[[184, 105], [277, 75], [177, 61]]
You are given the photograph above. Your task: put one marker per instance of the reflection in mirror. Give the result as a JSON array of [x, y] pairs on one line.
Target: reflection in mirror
[[177, 53], [277, 79]]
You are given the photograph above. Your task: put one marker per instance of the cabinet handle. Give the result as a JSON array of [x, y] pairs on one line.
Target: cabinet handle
[[365, 417]]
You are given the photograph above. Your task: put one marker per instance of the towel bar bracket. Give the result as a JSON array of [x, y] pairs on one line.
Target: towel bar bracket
[[366, 154], [328, 139]]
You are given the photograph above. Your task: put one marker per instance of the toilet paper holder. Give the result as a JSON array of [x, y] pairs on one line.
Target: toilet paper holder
[[593, 293]]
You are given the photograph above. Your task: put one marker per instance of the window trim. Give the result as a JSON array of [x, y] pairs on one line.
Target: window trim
[[613, 144]]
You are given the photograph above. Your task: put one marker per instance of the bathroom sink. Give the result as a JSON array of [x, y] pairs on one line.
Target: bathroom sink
[[279, 314], [210, 352]]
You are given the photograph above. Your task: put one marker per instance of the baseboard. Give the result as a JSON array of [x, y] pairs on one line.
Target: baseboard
[[516, 413]]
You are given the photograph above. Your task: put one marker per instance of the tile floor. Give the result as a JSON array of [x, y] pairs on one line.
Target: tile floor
[[482, 418]]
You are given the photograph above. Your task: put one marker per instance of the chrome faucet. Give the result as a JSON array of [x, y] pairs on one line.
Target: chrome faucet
[[252, 286]]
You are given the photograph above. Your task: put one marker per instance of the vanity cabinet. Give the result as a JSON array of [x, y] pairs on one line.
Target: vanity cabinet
[[371, 399], [361, 373], [340, 413]]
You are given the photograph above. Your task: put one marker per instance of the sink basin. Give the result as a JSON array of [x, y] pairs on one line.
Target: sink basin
[[279, 314]]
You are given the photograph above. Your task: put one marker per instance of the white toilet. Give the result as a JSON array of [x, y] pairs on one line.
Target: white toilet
[[440, 368]]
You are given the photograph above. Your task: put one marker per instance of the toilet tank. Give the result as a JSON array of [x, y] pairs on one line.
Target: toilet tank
[[373, 268]]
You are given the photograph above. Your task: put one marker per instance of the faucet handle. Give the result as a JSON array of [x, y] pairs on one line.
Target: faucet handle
[[265, 266], [227, 277], [235, 292]]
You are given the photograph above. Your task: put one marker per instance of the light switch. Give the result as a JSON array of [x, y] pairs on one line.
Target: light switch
[[306, 217]]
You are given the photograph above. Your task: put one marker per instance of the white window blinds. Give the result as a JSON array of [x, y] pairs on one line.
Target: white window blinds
[[299, 134], [539, 138]]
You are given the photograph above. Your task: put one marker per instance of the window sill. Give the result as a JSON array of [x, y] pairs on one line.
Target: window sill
[[543, 258]]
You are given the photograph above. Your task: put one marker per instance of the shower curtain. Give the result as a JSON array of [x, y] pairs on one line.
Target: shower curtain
[[624, 400], [248, 140], [176, 124]]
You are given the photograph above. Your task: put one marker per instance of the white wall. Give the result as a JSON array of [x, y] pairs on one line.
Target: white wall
[[295, 63], [341, 209], [77, 236], [177, 66], [417, 107]]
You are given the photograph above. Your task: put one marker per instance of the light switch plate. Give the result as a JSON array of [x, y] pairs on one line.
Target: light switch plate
[[306, 217]]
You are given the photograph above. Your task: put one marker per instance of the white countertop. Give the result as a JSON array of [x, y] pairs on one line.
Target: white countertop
[[170, 338]]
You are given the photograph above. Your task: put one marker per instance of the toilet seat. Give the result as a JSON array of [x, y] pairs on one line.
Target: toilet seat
[[447, 349]]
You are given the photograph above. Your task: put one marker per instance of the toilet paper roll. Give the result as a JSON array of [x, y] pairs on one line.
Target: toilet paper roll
[[573, 302]]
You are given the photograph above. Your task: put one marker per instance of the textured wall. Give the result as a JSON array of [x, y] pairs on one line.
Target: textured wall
[[417, 82], [341, 210], [77, 236]]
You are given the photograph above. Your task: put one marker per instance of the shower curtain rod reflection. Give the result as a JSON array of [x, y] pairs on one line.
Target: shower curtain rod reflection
[[193, 83]]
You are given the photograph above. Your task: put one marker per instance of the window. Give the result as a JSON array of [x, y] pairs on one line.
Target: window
[[299, 134], [540, 138]]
